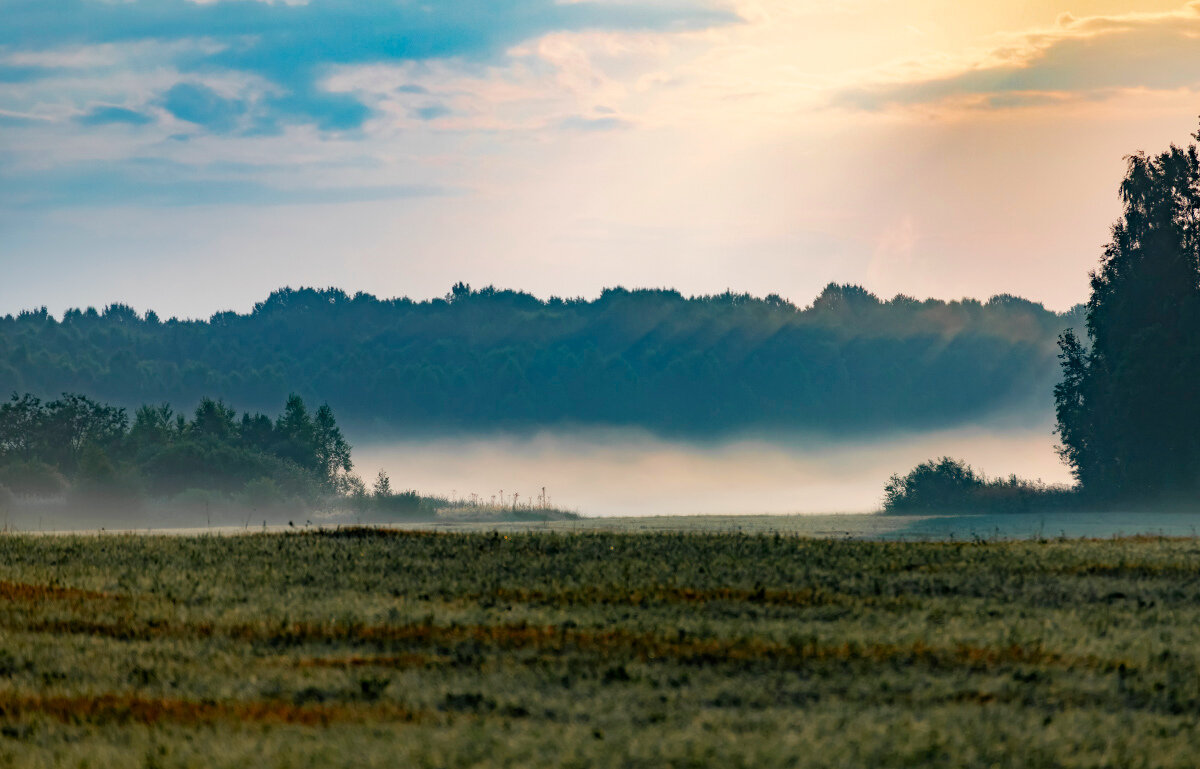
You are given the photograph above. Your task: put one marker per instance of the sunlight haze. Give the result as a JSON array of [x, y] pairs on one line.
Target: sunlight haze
[[196, 160]]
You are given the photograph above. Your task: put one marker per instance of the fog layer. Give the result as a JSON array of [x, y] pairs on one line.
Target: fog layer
[[619, 472]]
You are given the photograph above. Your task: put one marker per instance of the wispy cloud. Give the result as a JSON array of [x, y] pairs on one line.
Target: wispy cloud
[[1079, 58], [601, 123], [432, 111], [141, 99], [108, 115], [156, 183]]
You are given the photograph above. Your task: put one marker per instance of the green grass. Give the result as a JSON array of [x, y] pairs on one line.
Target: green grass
[[360, 648]]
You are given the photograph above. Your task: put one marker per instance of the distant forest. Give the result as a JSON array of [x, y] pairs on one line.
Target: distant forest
[[490, 358]]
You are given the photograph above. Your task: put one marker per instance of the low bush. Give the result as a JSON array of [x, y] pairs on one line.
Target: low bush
[[950, 485]]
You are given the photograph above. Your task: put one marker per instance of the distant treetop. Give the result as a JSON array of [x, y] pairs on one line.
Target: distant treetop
[[499, 358]]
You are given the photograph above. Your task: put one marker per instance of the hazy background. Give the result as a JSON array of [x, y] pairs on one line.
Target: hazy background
[[623, 472]]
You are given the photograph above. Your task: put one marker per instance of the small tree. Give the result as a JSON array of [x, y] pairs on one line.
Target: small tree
[[332, 450], [383, 486]]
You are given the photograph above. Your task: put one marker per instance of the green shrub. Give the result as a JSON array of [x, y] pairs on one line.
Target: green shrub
[[950, 485], [263, 494], [401, 503], [32, 478]]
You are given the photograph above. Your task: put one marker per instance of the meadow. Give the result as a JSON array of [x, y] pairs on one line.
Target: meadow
[[362, 647]]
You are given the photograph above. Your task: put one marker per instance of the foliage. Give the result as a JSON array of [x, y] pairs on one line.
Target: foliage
[[1127, 410], [950, 485], [399, 503], [32, 478], [383, 486], [58, 432], [372, 648], [90, 448], [482, 358]]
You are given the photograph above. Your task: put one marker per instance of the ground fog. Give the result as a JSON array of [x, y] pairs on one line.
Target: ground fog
[[630, 473]]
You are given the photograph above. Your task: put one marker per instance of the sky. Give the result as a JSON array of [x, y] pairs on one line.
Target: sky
[[190, 157]]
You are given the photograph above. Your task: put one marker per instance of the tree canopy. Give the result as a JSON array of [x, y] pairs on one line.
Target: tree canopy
[[484, 358], [1128, 415], [948, 485], [77, 444]]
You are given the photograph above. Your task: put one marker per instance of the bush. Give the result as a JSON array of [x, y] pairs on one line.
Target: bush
[[950, 485], [208, 464], [403, 503], [931, 486], [263, 494], [34, 479], [104, 484]]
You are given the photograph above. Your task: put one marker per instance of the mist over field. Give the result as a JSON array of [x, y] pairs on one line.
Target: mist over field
[[628, 472]]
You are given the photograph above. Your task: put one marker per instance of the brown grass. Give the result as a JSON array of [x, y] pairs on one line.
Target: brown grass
[[554, 640], [25, 592], [1132, 570], [397, 662], [661, 594], [369, 532], [125, 708]]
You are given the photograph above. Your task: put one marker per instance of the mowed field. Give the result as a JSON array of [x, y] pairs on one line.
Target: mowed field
[[363, 648]]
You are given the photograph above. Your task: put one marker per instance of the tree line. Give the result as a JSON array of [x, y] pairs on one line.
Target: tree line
[[491, 358], [75, 445]]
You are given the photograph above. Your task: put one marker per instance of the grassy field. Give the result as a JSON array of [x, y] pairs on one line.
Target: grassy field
[[596, 649]]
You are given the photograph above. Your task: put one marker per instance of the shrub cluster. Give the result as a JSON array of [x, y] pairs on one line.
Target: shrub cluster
[[949, 485]]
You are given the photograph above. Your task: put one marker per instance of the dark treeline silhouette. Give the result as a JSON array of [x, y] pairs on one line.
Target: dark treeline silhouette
[[949, 485], [497, 358], [77, 447], [1127, 406]]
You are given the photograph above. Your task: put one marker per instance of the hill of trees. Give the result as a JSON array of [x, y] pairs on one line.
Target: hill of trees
[[490, 358]]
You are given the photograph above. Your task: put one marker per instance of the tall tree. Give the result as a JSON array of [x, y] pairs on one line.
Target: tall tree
[[1128, 415], [332, 450], [295, 434]]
